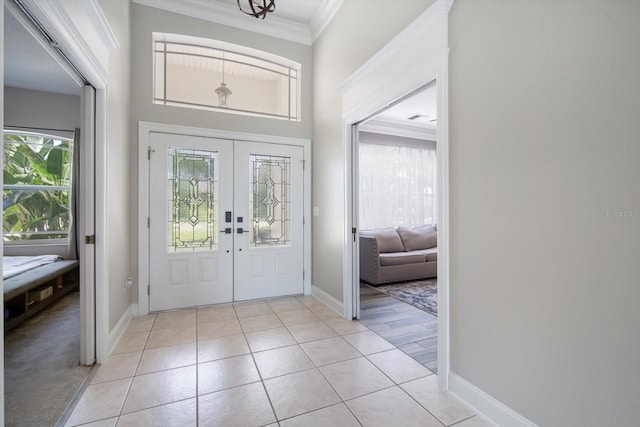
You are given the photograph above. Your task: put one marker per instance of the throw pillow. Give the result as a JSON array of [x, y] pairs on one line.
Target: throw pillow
[[423, 237]]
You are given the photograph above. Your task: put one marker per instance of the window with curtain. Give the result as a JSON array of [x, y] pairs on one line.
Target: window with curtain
[[397, 185], [37, 186]]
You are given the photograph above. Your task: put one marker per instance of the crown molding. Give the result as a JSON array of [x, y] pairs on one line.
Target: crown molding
[[226, 14], [323, 16], [396, 129]]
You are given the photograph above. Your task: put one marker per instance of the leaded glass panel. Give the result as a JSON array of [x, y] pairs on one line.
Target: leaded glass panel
[[193, 199], [270, 200]]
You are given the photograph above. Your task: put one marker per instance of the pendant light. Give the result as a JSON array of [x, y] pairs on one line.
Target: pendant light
[[223, 91]]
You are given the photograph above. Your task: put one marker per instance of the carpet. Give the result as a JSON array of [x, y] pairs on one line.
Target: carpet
[[421, 293], [41, 373]]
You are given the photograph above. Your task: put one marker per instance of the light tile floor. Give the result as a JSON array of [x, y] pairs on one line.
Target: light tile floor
[[284, 362]]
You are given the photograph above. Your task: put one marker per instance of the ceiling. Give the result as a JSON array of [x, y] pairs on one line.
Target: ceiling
[[28, 64], [396, 120]]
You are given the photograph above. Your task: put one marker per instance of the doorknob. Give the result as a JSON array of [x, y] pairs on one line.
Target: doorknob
[[240, 230], [227, 230]]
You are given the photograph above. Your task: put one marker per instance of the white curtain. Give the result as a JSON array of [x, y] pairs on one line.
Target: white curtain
[[397, 186]]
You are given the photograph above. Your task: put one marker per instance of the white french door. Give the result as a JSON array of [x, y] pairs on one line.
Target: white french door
[[226, 221], [269, 253]]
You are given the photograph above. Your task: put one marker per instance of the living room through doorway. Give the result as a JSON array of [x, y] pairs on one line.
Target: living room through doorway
[[397, 224]]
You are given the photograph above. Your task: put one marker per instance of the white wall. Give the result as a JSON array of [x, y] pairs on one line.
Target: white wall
[[146, 20], [358, 31], [545, 206], [119, 147]]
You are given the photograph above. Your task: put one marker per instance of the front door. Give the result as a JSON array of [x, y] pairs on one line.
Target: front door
[[226, 221], [268, 258]]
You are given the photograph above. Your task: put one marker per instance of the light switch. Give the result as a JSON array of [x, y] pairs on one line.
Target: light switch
[[316, 211]]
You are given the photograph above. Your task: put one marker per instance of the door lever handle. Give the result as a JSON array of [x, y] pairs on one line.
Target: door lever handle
[[227, 230], [240, 230]]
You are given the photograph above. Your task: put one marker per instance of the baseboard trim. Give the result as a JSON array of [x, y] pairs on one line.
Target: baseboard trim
[[485, 405], [333, 303], [121, 326]]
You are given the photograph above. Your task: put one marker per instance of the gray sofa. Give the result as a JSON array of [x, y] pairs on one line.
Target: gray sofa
[[397, 254]]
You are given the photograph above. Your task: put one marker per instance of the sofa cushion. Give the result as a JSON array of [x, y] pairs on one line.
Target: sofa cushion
[[401, 258], [431, 254], [423, 237], [387, 238]]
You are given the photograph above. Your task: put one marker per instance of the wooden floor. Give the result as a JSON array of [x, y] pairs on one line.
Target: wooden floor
[[410, 329]]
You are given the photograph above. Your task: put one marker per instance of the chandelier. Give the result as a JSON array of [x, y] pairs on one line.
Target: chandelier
[[259, 8]]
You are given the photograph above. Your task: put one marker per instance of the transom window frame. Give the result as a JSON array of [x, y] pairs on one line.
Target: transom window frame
[[293, 72], [69, 188]]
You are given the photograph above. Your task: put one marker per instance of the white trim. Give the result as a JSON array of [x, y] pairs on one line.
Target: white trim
[[2, 4], [71, 25], [333, 303], [229, 15], [397, 129], [102, 258], [144, 131], [444, 253], [325, 14], [485, 405], [370, 89], [120, 328], [103, 28]]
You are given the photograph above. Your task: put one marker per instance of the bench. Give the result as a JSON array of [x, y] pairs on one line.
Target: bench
[[31, 291]]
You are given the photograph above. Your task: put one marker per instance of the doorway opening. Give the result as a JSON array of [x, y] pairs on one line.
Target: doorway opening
[[48, 141], [414, 58], [396, 155]]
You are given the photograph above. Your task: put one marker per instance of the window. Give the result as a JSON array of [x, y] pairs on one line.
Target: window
[[397, 185], [37, 186], [213, 75]]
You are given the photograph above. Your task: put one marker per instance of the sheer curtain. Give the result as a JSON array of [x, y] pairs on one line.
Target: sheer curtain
[[397, 186]]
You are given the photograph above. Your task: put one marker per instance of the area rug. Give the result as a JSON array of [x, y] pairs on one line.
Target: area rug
[[422, 293]]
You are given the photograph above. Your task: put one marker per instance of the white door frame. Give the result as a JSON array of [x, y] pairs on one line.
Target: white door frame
[[85, 36], [415, 57], [144, 131]]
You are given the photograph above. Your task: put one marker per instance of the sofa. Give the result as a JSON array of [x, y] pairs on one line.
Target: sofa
[[397, 254]]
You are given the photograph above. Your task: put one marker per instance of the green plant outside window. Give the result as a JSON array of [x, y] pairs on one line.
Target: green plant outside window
[[37, 186]]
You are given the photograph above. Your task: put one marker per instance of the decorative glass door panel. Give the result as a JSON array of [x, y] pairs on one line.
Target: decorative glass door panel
[[270, 200], [192, 202]]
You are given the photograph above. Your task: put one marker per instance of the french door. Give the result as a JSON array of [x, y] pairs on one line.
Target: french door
[[226, 221]]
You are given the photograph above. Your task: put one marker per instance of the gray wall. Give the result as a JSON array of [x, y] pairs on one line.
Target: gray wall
[[545, 206], [36, 109], [119, 146], [357, 32], [146, 20]]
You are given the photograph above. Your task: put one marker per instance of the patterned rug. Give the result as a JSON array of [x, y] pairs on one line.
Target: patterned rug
[[421, 293]]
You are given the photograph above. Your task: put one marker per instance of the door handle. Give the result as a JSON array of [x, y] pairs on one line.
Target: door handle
[[227, 230], [240, 230]]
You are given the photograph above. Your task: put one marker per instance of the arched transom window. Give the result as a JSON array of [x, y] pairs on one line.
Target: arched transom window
[[209, 74]]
